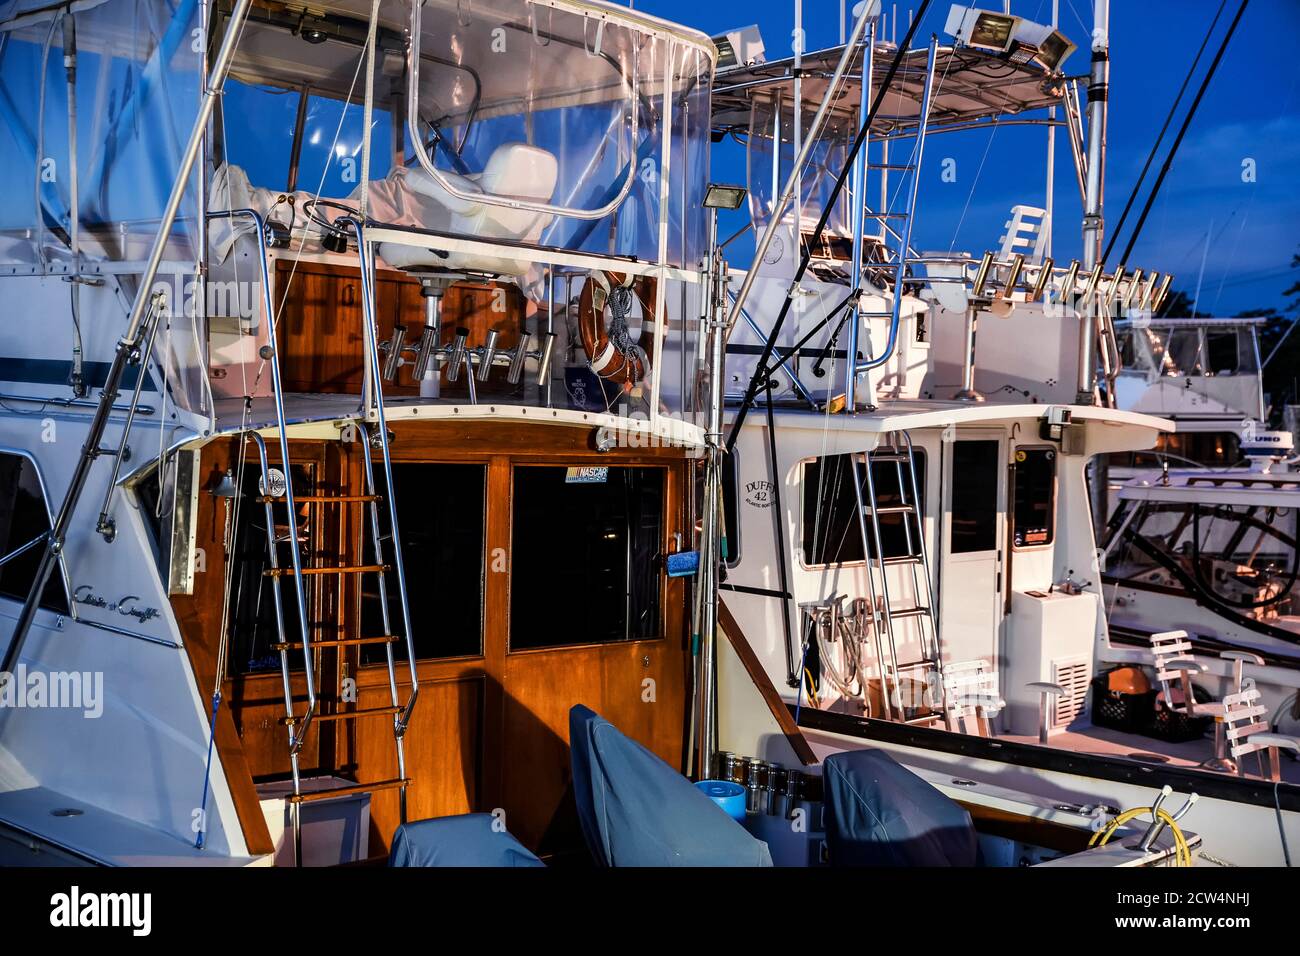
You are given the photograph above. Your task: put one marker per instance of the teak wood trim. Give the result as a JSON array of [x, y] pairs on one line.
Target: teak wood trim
[[740, 644]]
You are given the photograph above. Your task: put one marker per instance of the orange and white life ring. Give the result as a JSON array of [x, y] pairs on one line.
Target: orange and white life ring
[[609, 345]]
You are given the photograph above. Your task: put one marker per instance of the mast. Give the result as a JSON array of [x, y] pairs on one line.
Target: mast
[[1094, 192]]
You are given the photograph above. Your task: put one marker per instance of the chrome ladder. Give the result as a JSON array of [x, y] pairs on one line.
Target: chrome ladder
[[903, 255], [885, 615], [272, 493]]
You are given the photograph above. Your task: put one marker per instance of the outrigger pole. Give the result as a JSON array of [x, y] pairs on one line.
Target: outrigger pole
[[1094, 197], [761, 370], [142, 315]]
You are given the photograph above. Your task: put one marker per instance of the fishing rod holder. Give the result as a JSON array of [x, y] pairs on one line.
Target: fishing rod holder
[[427, 354]]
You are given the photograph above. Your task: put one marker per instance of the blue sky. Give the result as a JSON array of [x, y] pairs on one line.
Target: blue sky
[[1251, 111]]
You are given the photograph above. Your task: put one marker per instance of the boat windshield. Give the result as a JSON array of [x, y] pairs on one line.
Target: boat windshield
[[1239, 555]]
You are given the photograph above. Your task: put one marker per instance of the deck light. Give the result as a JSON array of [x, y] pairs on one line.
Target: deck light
[[719, 196]]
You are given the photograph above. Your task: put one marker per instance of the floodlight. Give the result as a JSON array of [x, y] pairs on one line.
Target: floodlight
[[998, 32], [981, 29], [718, 196], [740, 47], [1049, 47]]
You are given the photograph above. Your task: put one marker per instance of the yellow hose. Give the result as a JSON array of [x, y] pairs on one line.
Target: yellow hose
[[1183, 856]]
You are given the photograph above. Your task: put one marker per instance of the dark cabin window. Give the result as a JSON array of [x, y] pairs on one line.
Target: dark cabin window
[[975, 468], [23, 517], [585, 562], [830, 534], [1034, 507], [1221, 348], [440, 516]]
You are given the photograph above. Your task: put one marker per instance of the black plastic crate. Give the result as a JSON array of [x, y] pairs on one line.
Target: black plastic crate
[[1174, 727], [1131, 713]]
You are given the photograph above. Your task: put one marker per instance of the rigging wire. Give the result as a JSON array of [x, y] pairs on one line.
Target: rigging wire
[[1155, 147], [1182, 131]]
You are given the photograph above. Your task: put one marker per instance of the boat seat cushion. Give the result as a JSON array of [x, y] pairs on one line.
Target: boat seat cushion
[[513, 169], [470, 839], [635, 810], [879, 813]]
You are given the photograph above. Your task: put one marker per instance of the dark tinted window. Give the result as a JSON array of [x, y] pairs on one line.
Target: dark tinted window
[[1034, 507], [975, 467], [585, 556], [23, 518], [830, 530], [440, 516]]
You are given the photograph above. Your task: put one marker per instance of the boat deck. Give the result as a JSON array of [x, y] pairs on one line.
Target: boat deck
[[1114, 743]]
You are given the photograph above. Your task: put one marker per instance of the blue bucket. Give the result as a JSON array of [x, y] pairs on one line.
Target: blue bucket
[[727, 795]]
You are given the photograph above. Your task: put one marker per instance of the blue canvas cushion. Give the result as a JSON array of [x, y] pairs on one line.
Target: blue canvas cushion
[[470, 839], [635, 810], [879, 813]]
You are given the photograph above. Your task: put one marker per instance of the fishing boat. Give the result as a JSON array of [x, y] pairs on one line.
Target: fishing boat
[[911, 562], [317, 429]]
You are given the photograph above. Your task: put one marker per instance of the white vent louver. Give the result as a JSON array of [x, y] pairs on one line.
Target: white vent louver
[[1072, 674]]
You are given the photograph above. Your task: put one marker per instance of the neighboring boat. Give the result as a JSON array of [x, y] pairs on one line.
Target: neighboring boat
[[912, 563]]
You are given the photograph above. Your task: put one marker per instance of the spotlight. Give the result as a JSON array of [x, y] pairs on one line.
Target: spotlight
[[981, 29], [717, 196]]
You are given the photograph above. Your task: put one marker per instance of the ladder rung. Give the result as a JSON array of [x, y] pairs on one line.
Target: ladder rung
[[890, 509], [901, 166], [343, 642], [908, 612], [913, 666], [902, 559], [346, 715], [888, 455], [348, 791], [345, 569], [299, 499], [886, 215]]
